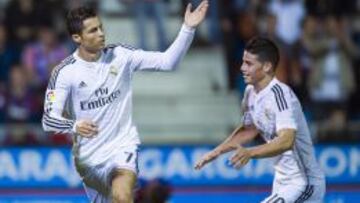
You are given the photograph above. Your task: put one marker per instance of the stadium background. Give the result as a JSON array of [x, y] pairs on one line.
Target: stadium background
[[181, 115]]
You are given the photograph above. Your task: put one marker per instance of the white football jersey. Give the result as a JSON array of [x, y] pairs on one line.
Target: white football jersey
[[274, 108], [101, 92]]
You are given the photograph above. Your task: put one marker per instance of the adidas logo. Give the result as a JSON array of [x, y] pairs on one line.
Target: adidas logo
[[82, 84]]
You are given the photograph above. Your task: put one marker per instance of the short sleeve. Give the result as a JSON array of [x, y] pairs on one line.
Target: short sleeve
[[247, 119], [284, 109]]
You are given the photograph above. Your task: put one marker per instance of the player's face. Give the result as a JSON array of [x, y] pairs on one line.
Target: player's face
[[92, 37], [252, 69]]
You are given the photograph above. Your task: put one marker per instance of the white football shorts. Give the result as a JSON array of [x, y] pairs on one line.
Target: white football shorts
[[97, 179], [292, 193]]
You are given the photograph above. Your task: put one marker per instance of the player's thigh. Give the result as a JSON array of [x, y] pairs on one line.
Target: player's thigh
[[95, 196], [123, 182], [96, 178]]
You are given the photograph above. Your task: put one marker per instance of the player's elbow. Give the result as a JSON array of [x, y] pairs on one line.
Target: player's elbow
[[170, 63], [45, 125], [170, 67]]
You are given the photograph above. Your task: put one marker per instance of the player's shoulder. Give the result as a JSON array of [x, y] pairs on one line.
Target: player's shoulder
[[63, 68], [281, 94], [277, 87], [248, 89], [119, 50], [64, 64], [118, 47]]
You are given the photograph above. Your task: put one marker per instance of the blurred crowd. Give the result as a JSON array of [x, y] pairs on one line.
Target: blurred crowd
[[319, 41]]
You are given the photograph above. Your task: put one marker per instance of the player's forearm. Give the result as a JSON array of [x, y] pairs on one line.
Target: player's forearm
[[273, 148], [246, 135], [240, 136], [177, 50], [57, 124]]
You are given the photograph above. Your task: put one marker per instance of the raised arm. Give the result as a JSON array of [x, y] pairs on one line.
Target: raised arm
[[168, 60]]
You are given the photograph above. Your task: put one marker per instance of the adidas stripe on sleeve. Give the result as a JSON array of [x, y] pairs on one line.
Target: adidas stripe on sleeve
[[284, 114], [57, 92]]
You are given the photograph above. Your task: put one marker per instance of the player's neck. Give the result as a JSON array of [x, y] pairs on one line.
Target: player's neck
[[263, 83], [87, 55]]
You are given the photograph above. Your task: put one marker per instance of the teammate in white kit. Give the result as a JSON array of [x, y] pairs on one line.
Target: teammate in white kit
[[93, 88], [271, 109]]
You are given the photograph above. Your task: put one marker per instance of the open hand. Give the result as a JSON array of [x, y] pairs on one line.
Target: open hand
[[194, 18], [208, 157], [86, 128], [240, 158]]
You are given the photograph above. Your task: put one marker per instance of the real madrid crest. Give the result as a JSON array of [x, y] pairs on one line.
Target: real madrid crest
[[113, 70], [267, 114]]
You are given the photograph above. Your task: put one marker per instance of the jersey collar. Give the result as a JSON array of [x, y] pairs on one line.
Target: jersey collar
[[267, 88], [88, 64]]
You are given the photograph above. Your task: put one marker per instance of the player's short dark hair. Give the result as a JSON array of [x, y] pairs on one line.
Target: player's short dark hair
[[265, 49], [75, 19]]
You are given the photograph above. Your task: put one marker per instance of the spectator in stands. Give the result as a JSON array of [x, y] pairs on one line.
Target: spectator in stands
[[41, 56], [331, 78], [228, 19], [213, 34], [55, 10], [310, 29], [268, 29], [9, 55], [288, 16], [145, 10], [21, 19], [245, 29], [322, 8], [21, 107], [355, 100], [238, 22], [154, 191]]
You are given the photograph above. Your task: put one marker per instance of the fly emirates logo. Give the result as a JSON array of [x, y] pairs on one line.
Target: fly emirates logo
[[103, 98]]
